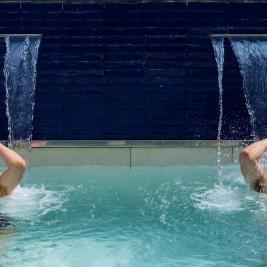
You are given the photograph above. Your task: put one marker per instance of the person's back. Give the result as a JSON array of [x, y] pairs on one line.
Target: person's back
[[251, 169], [11, 177]]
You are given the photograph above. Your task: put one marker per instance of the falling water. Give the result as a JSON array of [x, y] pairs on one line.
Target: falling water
[[20, 79], [218, 46], [251, 55]]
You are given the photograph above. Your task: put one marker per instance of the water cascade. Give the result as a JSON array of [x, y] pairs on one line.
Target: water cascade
[[20, 79], [251, 54], [218, 46]]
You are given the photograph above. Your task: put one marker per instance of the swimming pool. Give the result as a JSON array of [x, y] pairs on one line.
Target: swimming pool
[[144, 216]]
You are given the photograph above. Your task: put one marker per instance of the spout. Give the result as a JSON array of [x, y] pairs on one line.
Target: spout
[[19, 35], [238, 36]]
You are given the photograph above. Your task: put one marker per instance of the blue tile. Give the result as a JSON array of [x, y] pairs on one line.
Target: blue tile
[[132, 70]]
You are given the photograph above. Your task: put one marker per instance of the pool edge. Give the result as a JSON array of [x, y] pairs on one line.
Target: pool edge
[[132, 153]]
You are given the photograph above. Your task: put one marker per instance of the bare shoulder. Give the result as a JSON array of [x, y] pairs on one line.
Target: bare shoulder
[[251, 168], [247, 163]]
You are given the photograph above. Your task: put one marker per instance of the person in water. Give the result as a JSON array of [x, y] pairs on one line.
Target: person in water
[[11, 177], [252, 170]]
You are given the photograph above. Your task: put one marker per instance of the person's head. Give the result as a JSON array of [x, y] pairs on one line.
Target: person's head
[[259, 186]]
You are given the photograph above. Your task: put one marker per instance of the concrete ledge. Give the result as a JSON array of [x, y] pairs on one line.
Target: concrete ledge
[[135, 143], [132, 152], [79, 156], [130, 2], [236, 151], [176, 156]]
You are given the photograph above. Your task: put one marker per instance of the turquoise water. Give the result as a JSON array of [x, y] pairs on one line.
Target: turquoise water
[[111, 216]]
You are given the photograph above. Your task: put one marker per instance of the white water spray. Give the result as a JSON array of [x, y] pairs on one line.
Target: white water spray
[[218, 46], [251, 55], [20, 80]]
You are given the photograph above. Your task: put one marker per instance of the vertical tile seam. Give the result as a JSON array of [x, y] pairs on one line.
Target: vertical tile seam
[[145, 70], [103, 91], [186, 69], [227, 17], [20, 16], [62, 68], [232, 154], [130, 159]]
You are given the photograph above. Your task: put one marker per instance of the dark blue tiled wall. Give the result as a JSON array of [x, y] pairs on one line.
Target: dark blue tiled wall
[[132, 70]]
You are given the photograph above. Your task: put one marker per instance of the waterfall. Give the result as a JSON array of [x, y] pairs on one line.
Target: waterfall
[[218, 46], [20, 79], [251, 55]]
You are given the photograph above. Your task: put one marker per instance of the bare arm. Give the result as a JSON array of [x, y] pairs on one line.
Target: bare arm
[[16, 165], [251, 168]]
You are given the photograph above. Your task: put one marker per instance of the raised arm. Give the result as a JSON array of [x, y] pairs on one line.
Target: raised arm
[[250, 167], [16, 165], [255, 150]]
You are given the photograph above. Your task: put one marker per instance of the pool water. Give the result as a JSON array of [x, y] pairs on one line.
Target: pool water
[[113, 216]]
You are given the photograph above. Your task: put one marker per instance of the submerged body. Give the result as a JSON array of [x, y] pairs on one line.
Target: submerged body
[[251, 168], [11, 177]]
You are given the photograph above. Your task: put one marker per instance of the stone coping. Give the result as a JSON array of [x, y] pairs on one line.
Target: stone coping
[[132, 1], [136, 143], [133, 153]]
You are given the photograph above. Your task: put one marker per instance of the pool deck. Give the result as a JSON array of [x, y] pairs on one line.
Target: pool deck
[[133, 153]]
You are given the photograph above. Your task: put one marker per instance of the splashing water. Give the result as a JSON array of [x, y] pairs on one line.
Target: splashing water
[[31, 202], [20, 79], [146, 217], [218, 46], [252, 58]]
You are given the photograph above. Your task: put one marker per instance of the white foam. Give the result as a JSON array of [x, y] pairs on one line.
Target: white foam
[[77, 252], [220, 198], [28, 202]]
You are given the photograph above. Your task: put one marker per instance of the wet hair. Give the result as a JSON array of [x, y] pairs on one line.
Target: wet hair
[[6, 222], [258, 186]]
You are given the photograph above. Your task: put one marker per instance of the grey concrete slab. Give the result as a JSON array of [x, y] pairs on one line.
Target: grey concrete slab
[[176, 156], [80, 156]]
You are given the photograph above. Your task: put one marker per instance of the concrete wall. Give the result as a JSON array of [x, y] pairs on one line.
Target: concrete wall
[[132, 153]]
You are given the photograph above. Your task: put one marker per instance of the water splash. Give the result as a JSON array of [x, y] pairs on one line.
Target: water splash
[[252, 58], [20, 80], [220, 198], [218, 46], [32, 202]]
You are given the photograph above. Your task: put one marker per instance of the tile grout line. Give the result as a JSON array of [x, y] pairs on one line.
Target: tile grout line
[[232, 155], [130, 165]]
